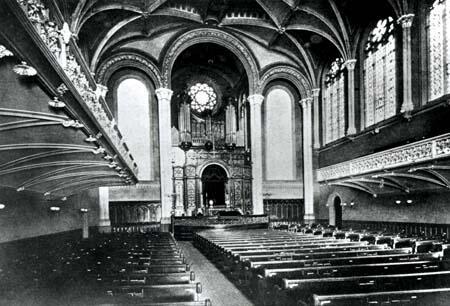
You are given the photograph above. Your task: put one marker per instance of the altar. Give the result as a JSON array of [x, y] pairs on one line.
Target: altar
[[184, 227]]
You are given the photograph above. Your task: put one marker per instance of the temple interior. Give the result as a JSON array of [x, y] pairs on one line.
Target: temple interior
[[224, 152]]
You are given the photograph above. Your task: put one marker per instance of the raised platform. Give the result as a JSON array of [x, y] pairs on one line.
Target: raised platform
[[184, 227]]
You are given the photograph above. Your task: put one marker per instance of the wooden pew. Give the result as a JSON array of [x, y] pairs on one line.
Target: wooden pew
[[301, 289], [318, 255], [156, 293], [310, 250], [136, 278], [435, 297], [206, 302], [353, 269], [332, 261]]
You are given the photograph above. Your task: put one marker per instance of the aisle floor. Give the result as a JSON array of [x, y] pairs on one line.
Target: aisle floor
[[219, 289]]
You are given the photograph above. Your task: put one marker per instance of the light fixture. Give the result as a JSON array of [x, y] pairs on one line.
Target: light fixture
[[352, 203], [23, 69], [398, 202], [55, 208], [64, 199], [73, 123], [47, 193], [112, 164], [21, 188], [5, 52], [55, 103], [98, 150], [78, 124], [84, 210], [409, 201], [2, 206], [91, 139]]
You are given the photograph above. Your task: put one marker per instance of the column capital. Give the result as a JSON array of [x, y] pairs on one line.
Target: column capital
[[350, 64], [306, 102], [163, 94], [315, 92], [255, 99], [406, 20]]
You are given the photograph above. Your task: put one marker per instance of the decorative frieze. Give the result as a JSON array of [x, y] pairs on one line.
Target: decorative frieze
[[418, 152]]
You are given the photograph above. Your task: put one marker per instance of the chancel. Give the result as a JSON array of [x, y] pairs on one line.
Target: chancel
[[224, 152]]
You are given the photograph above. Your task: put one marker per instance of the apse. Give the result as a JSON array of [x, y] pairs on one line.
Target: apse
[[212, 65]]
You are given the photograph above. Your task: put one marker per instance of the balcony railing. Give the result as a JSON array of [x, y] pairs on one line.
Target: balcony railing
[[417, 152], [56, 35]]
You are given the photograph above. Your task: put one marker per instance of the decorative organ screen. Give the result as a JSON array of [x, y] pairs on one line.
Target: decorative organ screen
[[439, 49], [334, 102], [380, 73]]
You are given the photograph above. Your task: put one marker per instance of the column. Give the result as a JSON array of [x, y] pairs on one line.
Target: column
[[104, 224], [406, 22], [256, 149], [308, 179], [315, 93], [350, 65], [164, 96]]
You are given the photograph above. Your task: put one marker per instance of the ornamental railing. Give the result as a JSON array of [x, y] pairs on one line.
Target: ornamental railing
[[55, 33], [417, 152]]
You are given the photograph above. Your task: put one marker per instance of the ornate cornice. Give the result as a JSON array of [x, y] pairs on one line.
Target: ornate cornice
[[285, 72], [418, 152], [210, 35], [121, 60]]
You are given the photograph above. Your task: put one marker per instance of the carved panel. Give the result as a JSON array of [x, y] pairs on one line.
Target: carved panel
[[191, 193], [424, 150], [238, 201]]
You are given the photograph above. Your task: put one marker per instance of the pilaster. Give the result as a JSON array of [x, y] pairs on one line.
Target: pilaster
[[406, 23], [164, 96], [256, 152], [308, 178], [350, 65]]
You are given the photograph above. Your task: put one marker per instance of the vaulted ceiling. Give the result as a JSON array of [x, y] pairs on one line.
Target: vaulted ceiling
[[307, 33]]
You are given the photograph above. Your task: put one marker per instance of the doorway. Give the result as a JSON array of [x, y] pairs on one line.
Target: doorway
[[214, 180], [337, 212]]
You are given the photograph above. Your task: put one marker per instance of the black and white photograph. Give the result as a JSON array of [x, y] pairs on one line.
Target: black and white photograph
[[224, 152]]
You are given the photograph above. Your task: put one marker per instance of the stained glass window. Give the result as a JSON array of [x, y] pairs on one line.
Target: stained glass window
[[334, 102], [203, 97], [439, 49], [380, 96]]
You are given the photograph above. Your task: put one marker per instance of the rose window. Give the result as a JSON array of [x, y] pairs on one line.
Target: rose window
[[203, 98]]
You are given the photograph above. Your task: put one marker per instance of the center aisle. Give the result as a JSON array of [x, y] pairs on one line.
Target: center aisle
[[216, 286]]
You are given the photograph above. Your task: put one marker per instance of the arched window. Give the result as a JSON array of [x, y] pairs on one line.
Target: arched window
[[279, 137], [439, 49], [133, 117], [380, 95], [334, 102]]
